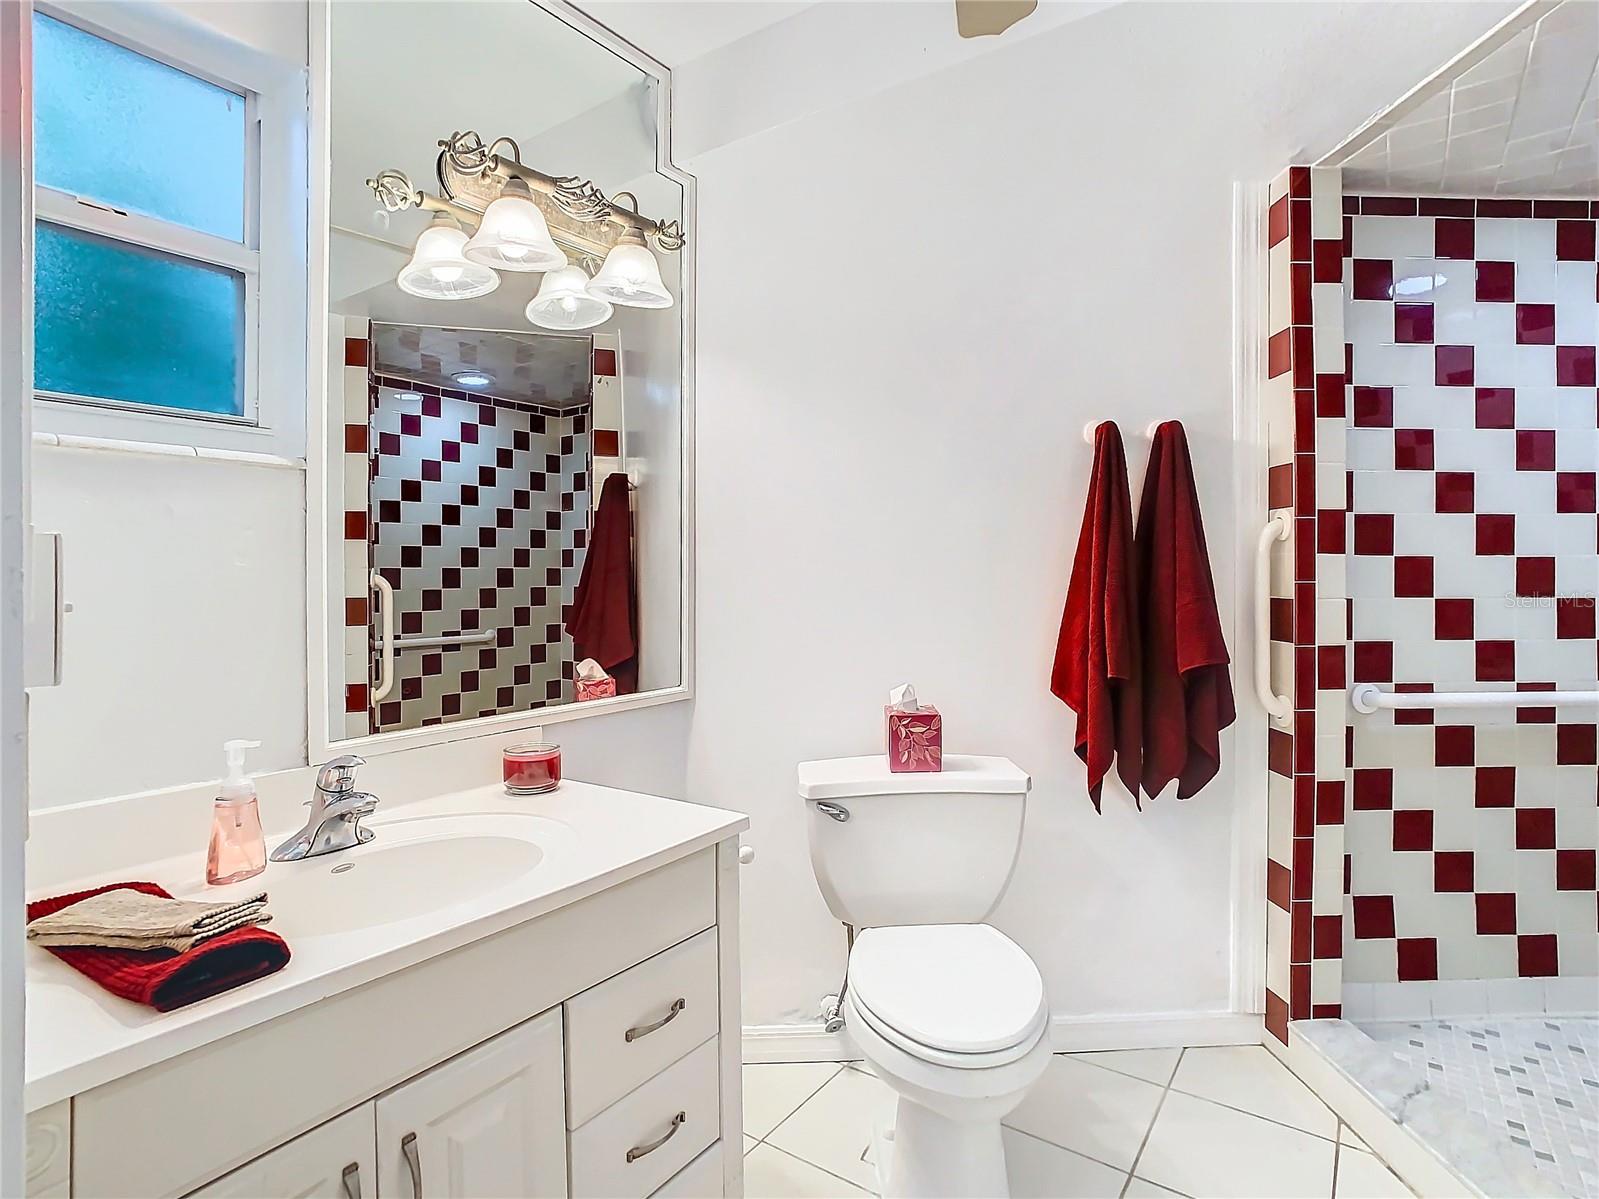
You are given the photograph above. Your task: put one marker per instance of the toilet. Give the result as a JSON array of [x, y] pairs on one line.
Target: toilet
[[946, 1010]]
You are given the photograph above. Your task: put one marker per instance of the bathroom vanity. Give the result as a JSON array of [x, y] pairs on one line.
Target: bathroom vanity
[[494, 997]]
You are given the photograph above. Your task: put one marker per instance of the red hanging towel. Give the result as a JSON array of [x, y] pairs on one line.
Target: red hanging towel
[[1188, 696], [603, 618], [1096, 670], [164, 978]]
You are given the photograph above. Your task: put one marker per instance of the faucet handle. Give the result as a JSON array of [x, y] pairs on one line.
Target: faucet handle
[[338, 776]]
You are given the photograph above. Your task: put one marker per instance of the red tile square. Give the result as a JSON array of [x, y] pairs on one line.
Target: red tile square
[[1574, 366], [1374, 533], [1577, 745], [1496, 913], [1330, 395], [1374, 407], [355, 697], [355, 355], [605, 363], [1327, 937], [1412, 576], [354, 611], [1279, 353], [1496, 787], [1299, 229], [1535, 828], [1330, 524], [1373, 279], [1413, 324], [355, 526], [1413, 449], [1496, 535], [1330, 802], [1496, 282], [1327, 259], [1374, 916], [1417, 959], [1575, 870], [1276, 1005], [1280, 753], [1496, 661], [1373, 789], [1331, 668], [1388, 205], [1454, 238], [355, 439], [1454, 491], [1277, 221], [1535, 577], [1575, 491], [1453, 366], [1535, 324], [1538, 956], [1496, 407], [1452, 870], [1453, 619], [1574, 241], [1374, 661], [1574, 618], [1454, 745], [1412, 830]]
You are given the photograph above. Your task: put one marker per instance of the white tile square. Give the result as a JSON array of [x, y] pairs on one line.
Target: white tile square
[[1206, 1150], [1151, 1065], [1248, 1077], [1038, 1170], [1098, 1113], [770, 1173], [1362, 1176], [1391, 237], [774, 1091], [834, 1128]]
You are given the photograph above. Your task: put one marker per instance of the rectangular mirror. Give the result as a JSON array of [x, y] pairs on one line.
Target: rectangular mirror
[[504, 443]]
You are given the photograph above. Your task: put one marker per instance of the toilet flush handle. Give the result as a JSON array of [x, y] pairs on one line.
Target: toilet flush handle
[[837, 811]]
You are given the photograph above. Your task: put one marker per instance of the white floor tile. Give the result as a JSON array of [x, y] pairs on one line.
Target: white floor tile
[[833, 1128], [1362, 1176], [1214, 1152], [1142, 1188], [772, 1174], [773, 1091], [1152, 1065], [749, 1143], [1093, 1111], [1039, 1170], [1346, 1136], [1249, 1077]]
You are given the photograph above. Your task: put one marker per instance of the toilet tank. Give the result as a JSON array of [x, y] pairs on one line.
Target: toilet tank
[[937, 847]]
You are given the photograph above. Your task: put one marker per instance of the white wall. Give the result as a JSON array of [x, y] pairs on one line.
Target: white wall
[[911, 301]]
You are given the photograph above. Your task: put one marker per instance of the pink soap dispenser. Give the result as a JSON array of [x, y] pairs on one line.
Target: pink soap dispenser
[[237, 850]]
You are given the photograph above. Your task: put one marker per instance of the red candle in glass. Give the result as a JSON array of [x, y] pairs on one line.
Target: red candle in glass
[[530, 769]]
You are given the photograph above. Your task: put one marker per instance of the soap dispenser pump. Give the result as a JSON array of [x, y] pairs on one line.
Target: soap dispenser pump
[[237, 850]]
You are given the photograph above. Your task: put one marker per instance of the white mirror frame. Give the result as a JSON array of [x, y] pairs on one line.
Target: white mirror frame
[[324, 511]]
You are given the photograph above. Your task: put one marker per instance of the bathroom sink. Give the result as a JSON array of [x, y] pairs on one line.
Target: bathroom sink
[[412, 868]]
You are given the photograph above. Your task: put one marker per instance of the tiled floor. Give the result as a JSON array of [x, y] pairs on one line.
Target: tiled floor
[[1225, 1123]]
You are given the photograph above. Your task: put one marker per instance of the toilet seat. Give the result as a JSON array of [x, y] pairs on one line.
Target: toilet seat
[[961, 995]]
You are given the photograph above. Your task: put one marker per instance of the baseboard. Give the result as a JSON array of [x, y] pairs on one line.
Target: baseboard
[[1067, 1034]]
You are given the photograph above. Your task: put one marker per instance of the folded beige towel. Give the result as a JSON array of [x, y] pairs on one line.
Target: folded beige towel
[[124, 919]]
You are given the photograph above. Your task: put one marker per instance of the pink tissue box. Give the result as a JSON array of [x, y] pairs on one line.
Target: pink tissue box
[[598, 689], [915, 740]]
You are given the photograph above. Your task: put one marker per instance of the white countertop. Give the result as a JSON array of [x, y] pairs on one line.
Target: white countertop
[[80, 1036]]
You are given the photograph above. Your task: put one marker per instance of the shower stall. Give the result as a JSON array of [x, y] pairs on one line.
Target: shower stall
[[1432, 426]]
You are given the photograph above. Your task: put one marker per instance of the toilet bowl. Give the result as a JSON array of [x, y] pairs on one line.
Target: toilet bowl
[[953, 1018], [946, 1010]]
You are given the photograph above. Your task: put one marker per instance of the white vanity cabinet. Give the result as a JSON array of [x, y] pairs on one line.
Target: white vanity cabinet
[[589, 1051]]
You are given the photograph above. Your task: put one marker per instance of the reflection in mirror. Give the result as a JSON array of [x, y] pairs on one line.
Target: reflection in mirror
[[505, 266]]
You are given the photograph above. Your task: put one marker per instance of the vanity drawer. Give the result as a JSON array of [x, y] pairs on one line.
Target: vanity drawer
[[631, 1027], [702, 1178], [662, 1126]]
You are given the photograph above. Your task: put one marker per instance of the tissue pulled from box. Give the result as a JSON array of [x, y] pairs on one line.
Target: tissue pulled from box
[[903, 698]]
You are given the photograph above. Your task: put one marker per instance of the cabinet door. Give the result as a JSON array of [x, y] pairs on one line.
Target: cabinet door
[[489, 1124], [335, 1160]]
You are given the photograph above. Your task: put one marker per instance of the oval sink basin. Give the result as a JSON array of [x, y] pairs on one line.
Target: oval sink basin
[[412, 868]]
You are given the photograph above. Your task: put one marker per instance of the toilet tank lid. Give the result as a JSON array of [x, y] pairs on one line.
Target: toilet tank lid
[[841, 778]]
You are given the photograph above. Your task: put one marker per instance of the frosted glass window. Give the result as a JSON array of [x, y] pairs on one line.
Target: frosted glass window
[[119, 322], [117, 127]]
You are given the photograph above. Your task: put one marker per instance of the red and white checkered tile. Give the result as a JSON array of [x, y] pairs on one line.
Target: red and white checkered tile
[[1473, 547]]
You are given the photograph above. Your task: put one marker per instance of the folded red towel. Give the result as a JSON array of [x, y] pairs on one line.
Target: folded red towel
[[1188, 696], [164, 978], [1096, 671]]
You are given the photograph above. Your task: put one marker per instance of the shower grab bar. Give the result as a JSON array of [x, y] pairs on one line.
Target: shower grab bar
[[1279, 707], [443, 640], [385, 594], [1369, 698]]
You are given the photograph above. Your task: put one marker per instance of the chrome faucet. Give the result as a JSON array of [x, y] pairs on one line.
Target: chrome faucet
[[337, 810]]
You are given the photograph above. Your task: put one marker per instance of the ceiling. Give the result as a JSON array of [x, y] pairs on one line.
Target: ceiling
[[535, 368], [674, 31], [1515, 115]]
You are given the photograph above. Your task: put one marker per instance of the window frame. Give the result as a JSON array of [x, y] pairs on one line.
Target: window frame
[[271, 258]]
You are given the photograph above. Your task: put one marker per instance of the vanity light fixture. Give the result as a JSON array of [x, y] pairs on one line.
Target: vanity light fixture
[[513, 234], [630, 276], [439, 271], [472, 378], [565, 302], [408, 396]]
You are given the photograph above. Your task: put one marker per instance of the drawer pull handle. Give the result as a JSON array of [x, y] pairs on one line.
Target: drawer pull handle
[[352, 1181], [639, 1151], [644, 1030], [413, 1162]]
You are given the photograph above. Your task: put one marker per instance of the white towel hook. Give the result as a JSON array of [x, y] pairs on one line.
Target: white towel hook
[[1088, 430]]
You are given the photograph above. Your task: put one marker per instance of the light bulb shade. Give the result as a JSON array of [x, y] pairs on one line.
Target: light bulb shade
[[514, 236], [437, 271], [565, 302], [630, 277]]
